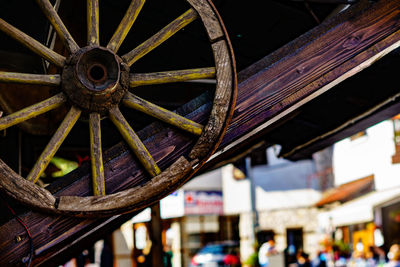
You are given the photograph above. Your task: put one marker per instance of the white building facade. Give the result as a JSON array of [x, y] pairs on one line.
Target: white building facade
[[283, 204], [373, 153]]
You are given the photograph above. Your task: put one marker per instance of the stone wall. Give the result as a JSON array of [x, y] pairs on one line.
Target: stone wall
[[304, 218]]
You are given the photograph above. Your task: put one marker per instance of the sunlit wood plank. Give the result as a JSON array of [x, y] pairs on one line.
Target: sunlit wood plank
[[134, 142]]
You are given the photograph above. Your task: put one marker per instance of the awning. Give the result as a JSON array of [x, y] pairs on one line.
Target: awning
[[359, 210], [347, 191]]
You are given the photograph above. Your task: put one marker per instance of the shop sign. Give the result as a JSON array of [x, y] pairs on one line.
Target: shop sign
[[203, 202]]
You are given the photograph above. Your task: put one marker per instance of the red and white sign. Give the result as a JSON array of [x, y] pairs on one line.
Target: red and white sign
[[203, 202]]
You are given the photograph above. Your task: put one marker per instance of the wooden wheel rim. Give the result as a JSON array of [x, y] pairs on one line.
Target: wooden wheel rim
[[162, 182]]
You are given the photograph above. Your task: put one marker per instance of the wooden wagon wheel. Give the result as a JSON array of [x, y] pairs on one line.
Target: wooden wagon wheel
[[94, 82]]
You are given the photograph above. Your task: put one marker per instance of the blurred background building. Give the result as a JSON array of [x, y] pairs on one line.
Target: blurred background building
[[345, 198]]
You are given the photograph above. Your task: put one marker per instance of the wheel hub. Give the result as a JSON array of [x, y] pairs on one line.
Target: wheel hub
[[95, 79]]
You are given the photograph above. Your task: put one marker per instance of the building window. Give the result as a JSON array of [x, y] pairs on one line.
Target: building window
[[264, 236], [294, 241]]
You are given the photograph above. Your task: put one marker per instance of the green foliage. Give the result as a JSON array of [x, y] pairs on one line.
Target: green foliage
[[65, 166], [343, 247], [252, 260]]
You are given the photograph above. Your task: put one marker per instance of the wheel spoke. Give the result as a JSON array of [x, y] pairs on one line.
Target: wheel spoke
[[160, 37], [137, 103], [134, 142], [32, 44], [96, 155], [54, 144], [58, 25], [139, 79], [32, 111], [24, 78], [93, 31], [126, 24]]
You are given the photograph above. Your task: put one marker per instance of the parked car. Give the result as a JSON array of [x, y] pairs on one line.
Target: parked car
[[218, 254]]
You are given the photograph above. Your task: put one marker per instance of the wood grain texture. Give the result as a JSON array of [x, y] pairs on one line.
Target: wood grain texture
[[221, 103], [387, 109], [93, 21], [336, 32], [160, 37], [349, 69], [51, 233], [32, 44], [54, 144], [126, 24], [166, 145], [134, 142], [15, 97], [280, 85], [210, 21], [140, 79], [270, 93], [131, 198], [24, 190], [380, 22], [139, 104], [32, 111], [276, 56], [43, 226], [58, 25], [33, 79], [96, 155]]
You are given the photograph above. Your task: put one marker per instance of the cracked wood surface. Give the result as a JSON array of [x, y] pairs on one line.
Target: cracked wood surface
[[273, 88]]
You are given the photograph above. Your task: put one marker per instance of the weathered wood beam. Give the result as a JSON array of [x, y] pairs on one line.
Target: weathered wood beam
[[272, 89], [382, 111], [269, 92], [329, 1], [52, 234]]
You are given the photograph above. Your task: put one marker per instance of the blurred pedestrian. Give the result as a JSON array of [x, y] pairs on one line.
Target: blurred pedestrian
[[394, 256], [267, 249], [303, 259], [167, 259], [320, 260]]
